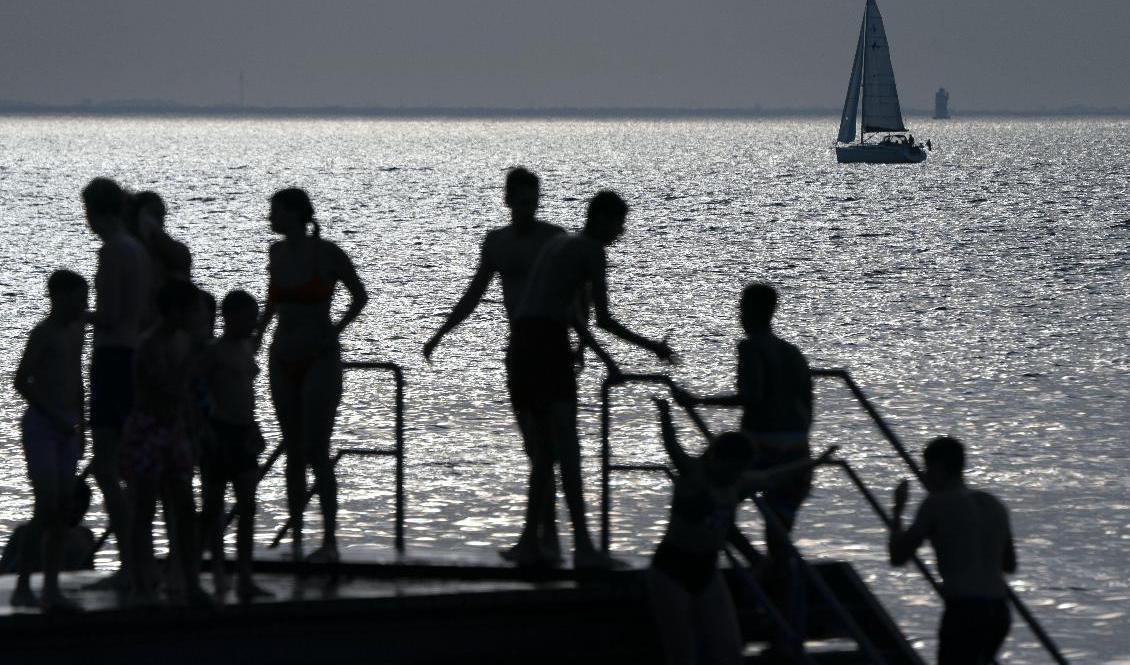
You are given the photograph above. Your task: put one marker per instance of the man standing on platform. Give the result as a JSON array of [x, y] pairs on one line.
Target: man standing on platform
[[510, 251], [570, 269]]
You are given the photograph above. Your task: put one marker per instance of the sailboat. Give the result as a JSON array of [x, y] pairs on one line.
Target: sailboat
[[873, 99]]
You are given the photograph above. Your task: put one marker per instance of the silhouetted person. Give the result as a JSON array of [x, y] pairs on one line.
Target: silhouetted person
[[510, 252], [78, 540], [969, 530], [305, 356], [123, 290], [231, 453], [696, 616], [774, 389], [542, 381], [156, 452], [49, 378], [172, 258]]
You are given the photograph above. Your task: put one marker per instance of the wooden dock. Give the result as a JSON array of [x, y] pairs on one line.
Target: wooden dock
[[409, 611]]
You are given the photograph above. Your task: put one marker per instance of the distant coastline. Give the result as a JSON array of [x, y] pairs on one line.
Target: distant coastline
[[162, 108]]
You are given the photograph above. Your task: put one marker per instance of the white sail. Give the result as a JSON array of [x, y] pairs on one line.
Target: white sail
[[851, 103], [881, 112]]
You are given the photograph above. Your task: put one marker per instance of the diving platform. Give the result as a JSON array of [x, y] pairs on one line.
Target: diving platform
[[406, 610]]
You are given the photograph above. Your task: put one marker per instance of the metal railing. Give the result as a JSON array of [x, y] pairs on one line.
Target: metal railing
[[397, 452], [888, 433]]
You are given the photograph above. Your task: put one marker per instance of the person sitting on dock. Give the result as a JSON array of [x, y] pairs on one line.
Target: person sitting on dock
[[542, 380], [510, 252], [78, 540], [972, 539], [692, 605], [304, 363], [157, 455], [49, 378], [231, 452]]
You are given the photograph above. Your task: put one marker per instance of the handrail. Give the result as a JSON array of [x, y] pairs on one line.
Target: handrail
[[877, 418], [888, 433], [397, 451], [774, 523]]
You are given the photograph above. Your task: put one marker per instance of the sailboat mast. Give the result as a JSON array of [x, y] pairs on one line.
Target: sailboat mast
[[863, 79]]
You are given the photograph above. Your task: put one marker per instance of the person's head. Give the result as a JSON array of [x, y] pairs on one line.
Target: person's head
[[604, 219], [68, 293], [147, 213], [759, 302], [241, 313], [105, 205], [522, 190], [177, 300], [80, 503], [291, 211], [727, 456], [945, 462]]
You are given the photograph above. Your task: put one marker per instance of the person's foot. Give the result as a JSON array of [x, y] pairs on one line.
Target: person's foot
[[248, 591], [596, 560], [523, 554], [296, 551], [221, 584], [23, 596], [59, 604], [324, 554]]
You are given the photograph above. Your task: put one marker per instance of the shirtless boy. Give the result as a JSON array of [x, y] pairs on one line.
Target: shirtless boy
[[510, 251], [123, 292], [49, 378], [231, 453], [542, 381], [972, 539]]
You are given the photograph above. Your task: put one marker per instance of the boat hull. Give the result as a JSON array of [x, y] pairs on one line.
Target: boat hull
[[880, 153]]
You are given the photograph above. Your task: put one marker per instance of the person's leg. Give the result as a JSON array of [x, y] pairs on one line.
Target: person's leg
[[539, 533], [176, 493], [321, 395], [994, 624], [212, 523], [144, 506], [716, 624], [285, 394], [671, 606], [45, 496], [244, 486], [111, 399], [567, 452], [55, 527]]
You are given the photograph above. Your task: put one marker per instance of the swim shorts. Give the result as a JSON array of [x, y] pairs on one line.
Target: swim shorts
[[111, 386], [539, 364], [50, 453]]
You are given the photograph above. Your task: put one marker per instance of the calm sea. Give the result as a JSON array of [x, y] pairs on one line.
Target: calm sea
[[983, 294]]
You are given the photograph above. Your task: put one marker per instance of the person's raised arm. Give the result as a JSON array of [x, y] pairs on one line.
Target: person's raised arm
[[902, 543], [679, 457], [358, 297], [467, 304], [605, 321]]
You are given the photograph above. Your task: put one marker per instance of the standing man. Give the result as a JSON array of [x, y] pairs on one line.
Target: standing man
[[542, 382], [123, 289], [509, 251], [972, 539]]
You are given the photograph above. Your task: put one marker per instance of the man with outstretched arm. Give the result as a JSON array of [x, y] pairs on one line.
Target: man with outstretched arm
[[509, 252], [972, 539], [542, 382]]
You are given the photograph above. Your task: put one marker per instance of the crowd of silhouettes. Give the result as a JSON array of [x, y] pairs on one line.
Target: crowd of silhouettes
[[168, 398]]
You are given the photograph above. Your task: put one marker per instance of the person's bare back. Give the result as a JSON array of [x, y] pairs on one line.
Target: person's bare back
[[969, 530], [512, 251]]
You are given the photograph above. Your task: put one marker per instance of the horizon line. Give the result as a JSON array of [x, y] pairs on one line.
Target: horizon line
[[164, 108]]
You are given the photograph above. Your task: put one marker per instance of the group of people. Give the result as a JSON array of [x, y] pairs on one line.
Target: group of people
[[167, 397]]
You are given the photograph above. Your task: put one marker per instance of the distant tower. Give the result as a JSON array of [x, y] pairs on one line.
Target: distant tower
[[941, 104], [241, 99]]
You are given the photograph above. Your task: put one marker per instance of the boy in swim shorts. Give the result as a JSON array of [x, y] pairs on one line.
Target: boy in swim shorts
[[49, 378], [231, 453]]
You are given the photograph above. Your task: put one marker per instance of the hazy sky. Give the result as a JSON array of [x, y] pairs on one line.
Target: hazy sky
[[991, 54]]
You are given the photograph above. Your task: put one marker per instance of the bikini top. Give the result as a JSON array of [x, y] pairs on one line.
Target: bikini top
[[313, 291]]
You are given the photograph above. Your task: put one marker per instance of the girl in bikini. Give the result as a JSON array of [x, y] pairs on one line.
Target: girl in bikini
[[305, 357], [688, 595]]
